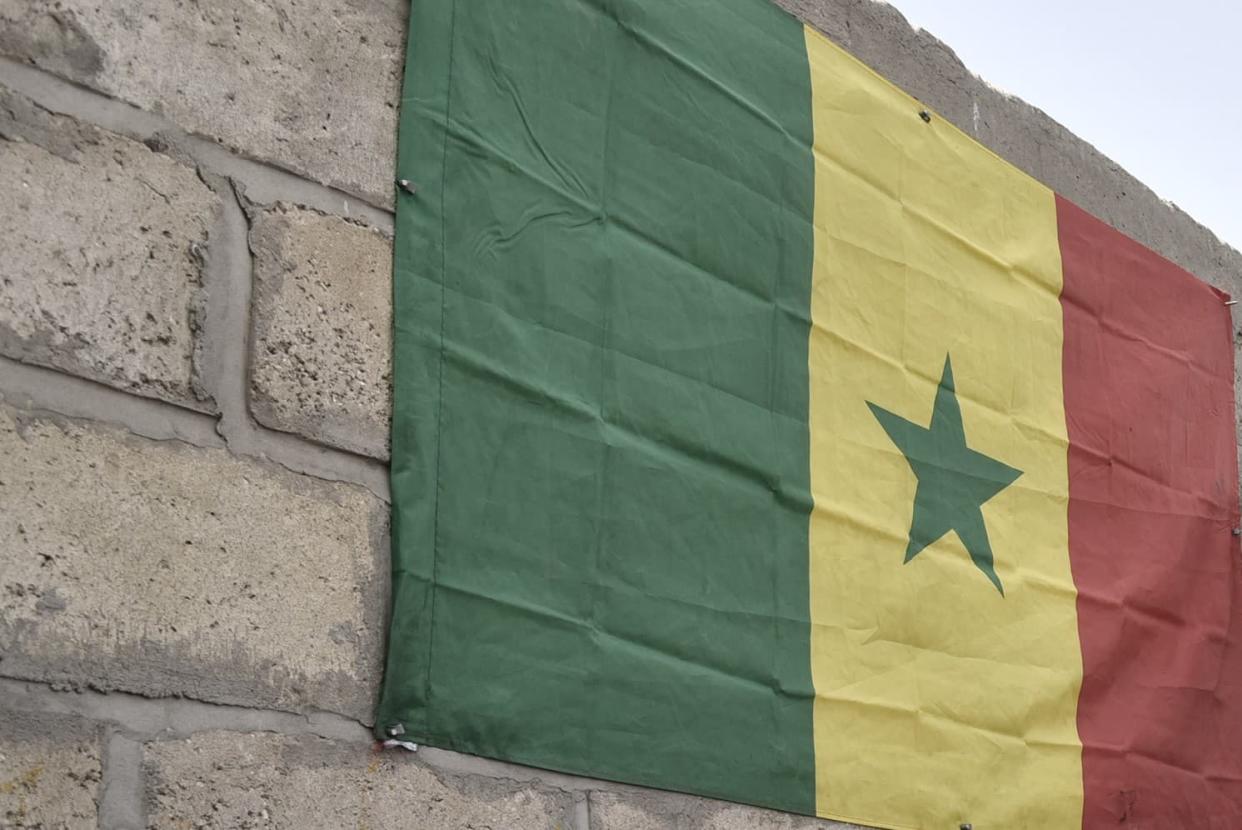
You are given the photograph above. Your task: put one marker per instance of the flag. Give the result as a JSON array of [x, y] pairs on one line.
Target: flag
[[758, 434]]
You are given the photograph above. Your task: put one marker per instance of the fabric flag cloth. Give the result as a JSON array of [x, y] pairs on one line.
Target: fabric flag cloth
[[760, 435]]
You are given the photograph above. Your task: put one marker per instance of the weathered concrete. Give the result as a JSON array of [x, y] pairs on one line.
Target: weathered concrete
[[34, 387], [647, 810], [121, 805], [50, 771], [227, 349], [164, 569], [227, 780], [311, 86], [321, 359], [138, 717], [263, 182], [103, 248]]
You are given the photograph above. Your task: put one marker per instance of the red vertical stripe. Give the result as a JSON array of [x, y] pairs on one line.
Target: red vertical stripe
[[1153, 499]]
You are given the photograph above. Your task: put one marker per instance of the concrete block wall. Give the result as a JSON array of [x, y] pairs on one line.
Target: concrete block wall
[[195, 317]]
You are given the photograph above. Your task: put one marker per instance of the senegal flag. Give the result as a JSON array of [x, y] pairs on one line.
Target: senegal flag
[[760, 435]]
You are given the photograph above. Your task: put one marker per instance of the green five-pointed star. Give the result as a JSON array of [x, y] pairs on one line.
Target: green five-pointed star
[[953, 480]]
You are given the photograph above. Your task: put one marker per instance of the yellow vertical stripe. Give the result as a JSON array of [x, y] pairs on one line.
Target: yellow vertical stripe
[[938, 700]]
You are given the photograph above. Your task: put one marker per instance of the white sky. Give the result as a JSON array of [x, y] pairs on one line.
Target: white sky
[[1156, 87]]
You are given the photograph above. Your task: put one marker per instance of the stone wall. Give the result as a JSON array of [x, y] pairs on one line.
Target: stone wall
[[194, 381]]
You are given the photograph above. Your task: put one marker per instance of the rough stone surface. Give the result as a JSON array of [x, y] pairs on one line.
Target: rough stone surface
[[639, 810], [50, 771], [321, 362], [310, 85], [103, 254], [229, 780], [163, 569]]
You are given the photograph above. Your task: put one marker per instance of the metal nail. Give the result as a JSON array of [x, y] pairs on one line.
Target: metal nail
[[408, 186], [395, 730]]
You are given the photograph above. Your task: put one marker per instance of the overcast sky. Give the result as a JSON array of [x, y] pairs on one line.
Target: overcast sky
[[1156, 87]]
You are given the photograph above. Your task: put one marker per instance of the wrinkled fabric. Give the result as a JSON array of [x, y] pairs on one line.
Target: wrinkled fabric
[[664, 272], [600, 465]]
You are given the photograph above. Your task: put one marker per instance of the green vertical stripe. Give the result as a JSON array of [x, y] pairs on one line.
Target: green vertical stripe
[[600, 448]]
